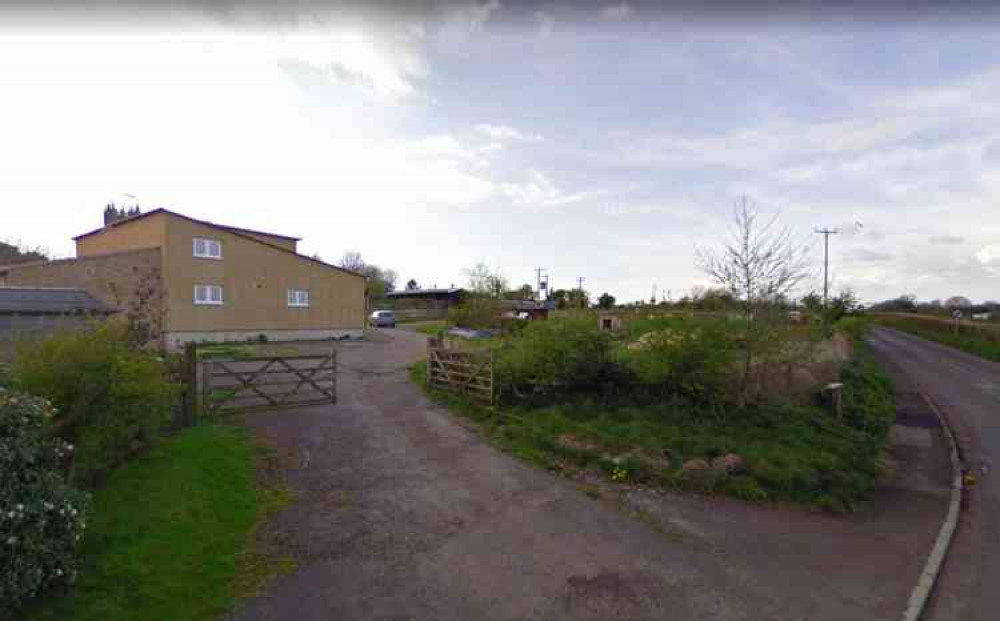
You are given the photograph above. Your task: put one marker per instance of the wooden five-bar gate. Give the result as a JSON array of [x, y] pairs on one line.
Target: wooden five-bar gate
[[470, 373], [268, 382]]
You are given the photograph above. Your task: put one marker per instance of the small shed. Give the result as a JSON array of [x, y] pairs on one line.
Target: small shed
[[609, 323], [37, 310], [529, 309]]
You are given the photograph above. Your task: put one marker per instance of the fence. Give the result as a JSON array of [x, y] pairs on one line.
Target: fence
[[251, 378], [463, 372], [268, 382]]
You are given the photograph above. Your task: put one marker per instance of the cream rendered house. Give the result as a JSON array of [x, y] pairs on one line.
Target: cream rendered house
[[209, 282]]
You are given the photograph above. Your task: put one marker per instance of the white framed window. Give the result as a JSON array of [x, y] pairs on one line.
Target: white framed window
[[298, 297], [208, 294], [207, 248]]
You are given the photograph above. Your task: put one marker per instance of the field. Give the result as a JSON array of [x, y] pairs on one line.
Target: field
[[982, 340]]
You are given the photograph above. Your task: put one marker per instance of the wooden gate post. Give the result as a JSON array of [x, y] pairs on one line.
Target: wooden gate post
[[333, 380], [432, 344], [206, 387], [190, 374]]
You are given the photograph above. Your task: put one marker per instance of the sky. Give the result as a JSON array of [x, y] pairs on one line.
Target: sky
[[603, 140]]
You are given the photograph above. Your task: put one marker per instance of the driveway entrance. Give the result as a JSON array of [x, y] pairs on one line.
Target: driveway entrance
[[402, 513]]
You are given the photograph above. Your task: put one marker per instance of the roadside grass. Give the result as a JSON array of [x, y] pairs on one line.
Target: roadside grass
[[432, 328], [234, 351], [793, 453], [244, 351], [170, 534], [979, 341]]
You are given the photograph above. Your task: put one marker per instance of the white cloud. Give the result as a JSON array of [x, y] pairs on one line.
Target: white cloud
[[989, 257], [505, 133], [470, 18], [388, 66], [539, 191], [546, 23], [617, 12]]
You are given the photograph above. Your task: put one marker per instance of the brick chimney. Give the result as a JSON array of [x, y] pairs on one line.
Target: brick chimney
[[114, 214]]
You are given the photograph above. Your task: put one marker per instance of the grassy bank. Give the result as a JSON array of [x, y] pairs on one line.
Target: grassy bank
[[982, 341], [792, 453], [170, 533]]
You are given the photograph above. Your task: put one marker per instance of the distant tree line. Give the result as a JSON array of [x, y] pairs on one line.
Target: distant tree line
[[909, 303], [16, 252], [380, 280]]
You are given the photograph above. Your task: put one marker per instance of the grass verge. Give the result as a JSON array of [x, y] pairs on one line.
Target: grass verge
[[792, 453], [979, 341], [432, 327], [169, 533]]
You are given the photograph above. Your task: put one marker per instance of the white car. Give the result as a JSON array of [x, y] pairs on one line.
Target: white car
[[382, 319]]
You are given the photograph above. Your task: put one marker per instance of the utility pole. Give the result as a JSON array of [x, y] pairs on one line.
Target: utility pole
[[579, 287], [538, 281], [826, 233]]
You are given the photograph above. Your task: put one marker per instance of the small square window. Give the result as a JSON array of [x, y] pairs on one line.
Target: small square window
[[298, 297], [208, 294], [207, 248]]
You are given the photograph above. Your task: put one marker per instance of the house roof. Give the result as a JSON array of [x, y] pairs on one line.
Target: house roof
[[423, 292], [234, 229], [244, 233], [49, 301]]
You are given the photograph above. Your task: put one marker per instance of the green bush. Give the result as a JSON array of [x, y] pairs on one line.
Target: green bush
[[694, 363], [41, 517], [476, 311], [111, 399], [558, 355]]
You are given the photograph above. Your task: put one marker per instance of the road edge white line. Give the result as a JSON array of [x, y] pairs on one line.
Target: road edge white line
[[932, 568]]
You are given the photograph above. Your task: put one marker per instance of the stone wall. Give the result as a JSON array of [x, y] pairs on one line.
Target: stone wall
[[114, 279]]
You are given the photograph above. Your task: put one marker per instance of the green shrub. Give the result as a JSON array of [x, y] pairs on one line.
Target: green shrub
[[476, 311], [41, 517], [558, 355], [695, 362], [111, 399]]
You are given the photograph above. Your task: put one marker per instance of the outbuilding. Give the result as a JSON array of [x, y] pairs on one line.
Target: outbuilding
[[27, 311]]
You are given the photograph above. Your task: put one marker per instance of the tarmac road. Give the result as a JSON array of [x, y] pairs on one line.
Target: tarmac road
[[966, 389]]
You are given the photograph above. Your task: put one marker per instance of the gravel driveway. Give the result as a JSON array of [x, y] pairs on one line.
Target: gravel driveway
[[401, 513]]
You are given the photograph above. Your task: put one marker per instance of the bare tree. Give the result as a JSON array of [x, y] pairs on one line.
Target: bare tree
[[352, 261], [761, 265], [484, 281]]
